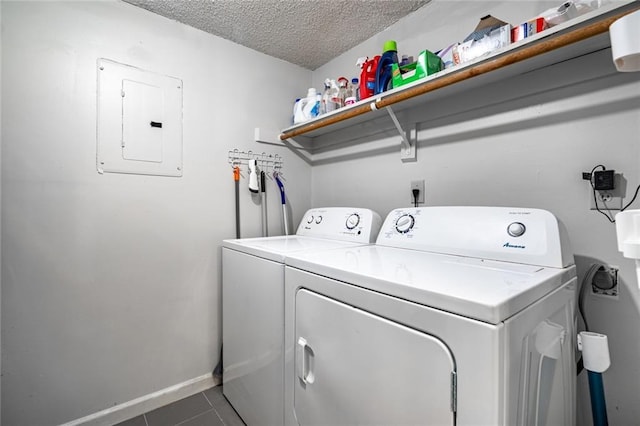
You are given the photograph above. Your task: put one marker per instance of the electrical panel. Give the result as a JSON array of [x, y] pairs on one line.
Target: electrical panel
[[139, 121]]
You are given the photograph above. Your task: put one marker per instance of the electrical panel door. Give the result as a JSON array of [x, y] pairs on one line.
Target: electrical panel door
[[139, 121]]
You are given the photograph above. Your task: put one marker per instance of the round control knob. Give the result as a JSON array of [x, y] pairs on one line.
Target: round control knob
[[352, 221], [405, 223], [318, 219], [516, 229], [309, 218]]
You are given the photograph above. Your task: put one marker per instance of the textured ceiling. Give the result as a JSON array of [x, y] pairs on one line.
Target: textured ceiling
[[308, 33]]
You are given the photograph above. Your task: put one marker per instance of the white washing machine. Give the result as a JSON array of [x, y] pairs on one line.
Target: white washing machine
[[456, 316], [253, 305]]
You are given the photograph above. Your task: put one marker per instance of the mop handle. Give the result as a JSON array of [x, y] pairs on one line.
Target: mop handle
[[236, 178], [283, 199], [263, 203]]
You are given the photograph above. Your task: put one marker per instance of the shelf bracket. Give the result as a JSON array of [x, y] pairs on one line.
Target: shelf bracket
[[408, 139]]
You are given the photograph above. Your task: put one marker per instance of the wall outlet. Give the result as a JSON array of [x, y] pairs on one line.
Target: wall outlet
[[419, 185], [607, 200]]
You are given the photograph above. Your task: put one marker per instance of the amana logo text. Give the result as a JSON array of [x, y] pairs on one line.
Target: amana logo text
[[508, 245]]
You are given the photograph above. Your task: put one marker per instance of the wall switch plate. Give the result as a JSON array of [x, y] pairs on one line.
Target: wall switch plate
[[419, 185], [607, 200]]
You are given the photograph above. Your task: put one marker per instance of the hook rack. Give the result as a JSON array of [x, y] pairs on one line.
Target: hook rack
[[266, 162]]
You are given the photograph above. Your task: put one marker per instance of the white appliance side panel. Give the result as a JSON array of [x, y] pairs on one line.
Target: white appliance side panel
[[356, 368], [541, 361], [252, 336]]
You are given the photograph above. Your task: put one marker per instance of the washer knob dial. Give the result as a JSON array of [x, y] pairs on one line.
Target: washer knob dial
[[309, 218], [405, 223], [516, 229], [318, 219], [352, 221]]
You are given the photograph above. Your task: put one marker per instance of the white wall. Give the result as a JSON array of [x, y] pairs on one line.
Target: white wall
[[111, 283], [520, 142], [0, 218]]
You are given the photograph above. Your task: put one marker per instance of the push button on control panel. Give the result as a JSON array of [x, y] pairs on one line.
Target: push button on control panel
[[516, 229]]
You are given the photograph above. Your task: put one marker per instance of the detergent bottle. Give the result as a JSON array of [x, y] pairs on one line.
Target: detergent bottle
[[307, 108], [296, 109], [383, 71], [312, 107], [368, 76]]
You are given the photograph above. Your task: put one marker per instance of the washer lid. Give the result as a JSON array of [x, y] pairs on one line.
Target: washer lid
[[486, 290], [276, 248]]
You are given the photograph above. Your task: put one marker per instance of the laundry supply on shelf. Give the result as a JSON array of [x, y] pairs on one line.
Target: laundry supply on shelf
[[428, 63], [306, 108], [324, 99], [355, 84], [527, 29], [490, 34], [384, 70], [368, 69], [334, 97], [342, 90], [449, 59]]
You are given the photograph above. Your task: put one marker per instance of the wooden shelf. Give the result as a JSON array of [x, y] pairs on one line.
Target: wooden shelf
[[580, 36]]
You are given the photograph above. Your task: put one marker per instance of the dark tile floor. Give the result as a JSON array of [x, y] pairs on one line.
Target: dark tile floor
[[208, 408]]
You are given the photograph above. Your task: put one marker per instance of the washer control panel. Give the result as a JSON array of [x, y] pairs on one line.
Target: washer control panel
[[341, 223], [529, 236]]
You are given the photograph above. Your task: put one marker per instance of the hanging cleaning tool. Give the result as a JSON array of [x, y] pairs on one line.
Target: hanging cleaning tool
[[595, 353], [263, 203], [253, 176], [236, 178], [283, 199]]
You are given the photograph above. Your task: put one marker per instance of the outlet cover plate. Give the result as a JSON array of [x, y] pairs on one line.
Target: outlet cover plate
[[419, 185], [607, 200]]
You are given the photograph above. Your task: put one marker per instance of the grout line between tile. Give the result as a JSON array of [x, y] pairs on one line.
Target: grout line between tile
[[205, 397], [197, 415], [219, 416]]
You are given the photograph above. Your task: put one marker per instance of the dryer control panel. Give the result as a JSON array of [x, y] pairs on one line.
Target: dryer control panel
[[341, 223], [529, 236]]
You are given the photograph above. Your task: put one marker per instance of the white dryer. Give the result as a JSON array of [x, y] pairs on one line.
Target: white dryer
[[253, 305], [457, 316]]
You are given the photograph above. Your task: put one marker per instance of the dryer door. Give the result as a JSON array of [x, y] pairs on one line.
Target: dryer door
[[356, 368]]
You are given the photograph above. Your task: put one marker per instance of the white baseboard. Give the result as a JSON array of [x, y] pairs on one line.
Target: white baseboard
[[146, 403]]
